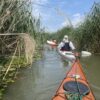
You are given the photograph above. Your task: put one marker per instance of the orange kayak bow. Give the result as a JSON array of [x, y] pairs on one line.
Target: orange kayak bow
[[75, 85]]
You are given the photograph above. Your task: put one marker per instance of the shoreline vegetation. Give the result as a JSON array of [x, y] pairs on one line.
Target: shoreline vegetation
[[22, 38]]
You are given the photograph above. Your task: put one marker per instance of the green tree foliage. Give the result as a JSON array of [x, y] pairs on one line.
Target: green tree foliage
[[64, 31]]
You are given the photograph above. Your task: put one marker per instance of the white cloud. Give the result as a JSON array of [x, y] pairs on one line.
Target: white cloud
[[37, 7], [65, 23], [77, 19], [40, 1]]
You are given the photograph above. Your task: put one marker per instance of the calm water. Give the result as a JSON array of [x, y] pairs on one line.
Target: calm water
[[41, 81]]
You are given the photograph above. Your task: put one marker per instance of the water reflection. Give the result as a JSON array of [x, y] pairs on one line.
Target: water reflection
[[92, 69]]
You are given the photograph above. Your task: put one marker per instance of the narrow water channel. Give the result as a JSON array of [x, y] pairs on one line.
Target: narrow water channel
[[41, 81]]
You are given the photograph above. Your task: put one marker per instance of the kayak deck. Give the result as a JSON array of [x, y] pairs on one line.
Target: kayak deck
[[74, 76], [67, 55]]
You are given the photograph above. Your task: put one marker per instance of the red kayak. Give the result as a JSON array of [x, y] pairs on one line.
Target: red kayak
[[52, 43], [75, 85]]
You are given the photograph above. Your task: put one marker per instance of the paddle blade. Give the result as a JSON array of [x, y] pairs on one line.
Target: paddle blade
[[85, 54]]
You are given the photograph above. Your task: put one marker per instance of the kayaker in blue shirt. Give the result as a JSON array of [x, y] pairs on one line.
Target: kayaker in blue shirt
[[66, 45]]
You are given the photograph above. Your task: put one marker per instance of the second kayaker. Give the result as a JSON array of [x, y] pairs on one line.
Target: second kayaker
[[66, 45]]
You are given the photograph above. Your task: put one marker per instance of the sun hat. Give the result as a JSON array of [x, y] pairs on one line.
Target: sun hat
[[65, 39], [65, 36]]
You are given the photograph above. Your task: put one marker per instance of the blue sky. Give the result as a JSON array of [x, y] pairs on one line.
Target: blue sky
[[55, 14]]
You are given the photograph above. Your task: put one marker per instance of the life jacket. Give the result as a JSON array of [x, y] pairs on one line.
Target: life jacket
[[66, 47]]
